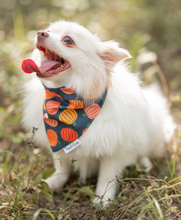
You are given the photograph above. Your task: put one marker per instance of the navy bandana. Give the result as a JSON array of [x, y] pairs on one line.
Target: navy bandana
[[66, 116]]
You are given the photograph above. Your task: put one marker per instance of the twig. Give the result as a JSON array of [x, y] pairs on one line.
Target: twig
[[7, 112], [162, 78]]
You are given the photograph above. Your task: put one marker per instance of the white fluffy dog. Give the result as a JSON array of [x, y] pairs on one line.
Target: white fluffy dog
[[133, 124]]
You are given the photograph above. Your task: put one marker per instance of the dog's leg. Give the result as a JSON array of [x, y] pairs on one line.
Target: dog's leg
[[106, 185], [61, 175], [146, 162]]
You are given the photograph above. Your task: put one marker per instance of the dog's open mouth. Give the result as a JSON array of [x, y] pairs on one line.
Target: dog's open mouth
[[52, 65]]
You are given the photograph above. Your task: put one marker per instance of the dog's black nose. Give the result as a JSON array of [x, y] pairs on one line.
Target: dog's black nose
[[42, 34]]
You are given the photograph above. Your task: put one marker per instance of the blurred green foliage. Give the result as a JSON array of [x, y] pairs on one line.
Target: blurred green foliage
[[133, 23]]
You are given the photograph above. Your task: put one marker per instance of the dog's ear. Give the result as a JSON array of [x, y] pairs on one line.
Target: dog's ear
[[110, 52]]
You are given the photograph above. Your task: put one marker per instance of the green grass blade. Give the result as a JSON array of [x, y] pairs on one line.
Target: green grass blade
[[158, 209], [149, 213], [42, 209]]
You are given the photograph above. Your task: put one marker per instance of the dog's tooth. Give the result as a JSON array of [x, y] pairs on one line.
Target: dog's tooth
[[47, 51], [62, 65]]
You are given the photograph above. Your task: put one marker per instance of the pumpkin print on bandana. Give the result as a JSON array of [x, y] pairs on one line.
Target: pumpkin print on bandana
[[66, 117], [69, 134]]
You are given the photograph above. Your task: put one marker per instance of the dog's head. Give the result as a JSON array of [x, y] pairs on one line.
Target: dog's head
[[69, 55]]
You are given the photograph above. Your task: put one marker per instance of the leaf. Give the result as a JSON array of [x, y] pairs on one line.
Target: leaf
[[43, 186], [60, 216], [38, 178], [48, 196], [61, 210], [87, 190], [48, 172]]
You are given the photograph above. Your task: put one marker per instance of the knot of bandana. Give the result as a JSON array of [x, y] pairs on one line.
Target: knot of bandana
[[67, 116]]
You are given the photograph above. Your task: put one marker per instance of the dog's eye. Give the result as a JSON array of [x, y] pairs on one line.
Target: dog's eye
[[68, 40]]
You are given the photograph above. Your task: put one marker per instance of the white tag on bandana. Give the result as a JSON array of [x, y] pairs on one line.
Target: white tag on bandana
[[72, 146]]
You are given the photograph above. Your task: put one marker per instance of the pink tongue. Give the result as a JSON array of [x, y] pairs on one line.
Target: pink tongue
[[29, 66], [48, 64]]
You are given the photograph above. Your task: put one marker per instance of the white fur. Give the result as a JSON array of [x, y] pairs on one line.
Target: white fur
[[133, 124]]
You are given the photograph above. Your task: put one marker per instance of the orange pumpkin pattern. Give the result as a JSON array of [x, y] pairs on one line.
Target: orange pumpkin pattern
[[92, 110], [84, 130], [52, 107], [67, 90], [52, 137], [68, 116], [44, 108], [75, 104], [51, 122], [68, 134], [55, 94], [65, 116], [48, 94]]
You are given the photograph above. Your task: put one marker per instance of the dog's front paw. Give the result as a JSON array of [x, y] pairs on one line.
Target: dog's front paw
[[57, 181], [97, 200], [145, 161], [101, 201]]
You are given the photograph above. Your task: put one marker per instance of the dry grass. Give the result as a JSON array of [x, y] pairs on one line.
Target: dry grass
[[24, 194]]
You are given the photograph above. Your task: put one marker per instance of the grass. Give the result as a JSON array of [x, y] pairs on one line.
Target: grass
[[23, 168], [25, 195]]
